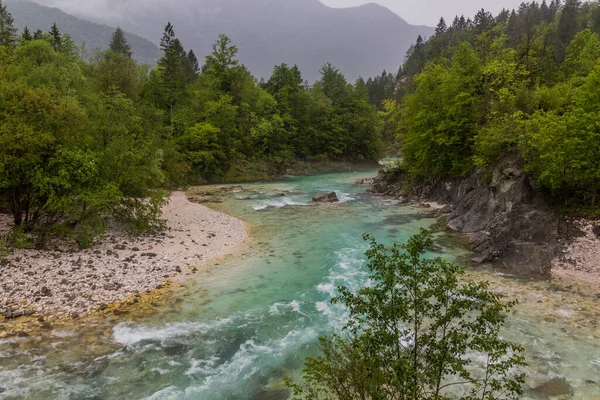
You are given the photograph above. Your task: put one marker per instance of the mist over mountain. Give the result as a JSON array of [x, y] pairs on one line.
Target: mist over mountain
[[94, 35], [360, 41]]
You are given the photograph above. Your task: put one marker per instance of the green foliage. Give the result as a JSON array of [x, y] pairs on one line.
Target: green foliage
[[439, 117], [522, 82], [72, 157], [55, 37], [84, 142], [7, 30], [119, 44], [200, 145], [416, 332]]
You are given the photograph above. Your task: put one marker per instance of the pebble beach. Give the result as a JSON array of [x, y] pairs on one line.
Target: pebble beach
[[67, 282]]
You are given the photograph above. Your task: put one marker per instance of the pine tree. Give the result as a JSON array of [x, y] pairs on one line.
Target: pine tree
[[484, 21], [55, 37], [503, 16], [192, 66], [168, 37], [38, 35], [7, 30], [546, 12], [441, 27], [119, 44], [172, 69], [456, 22], [568, 24], [26, 35]]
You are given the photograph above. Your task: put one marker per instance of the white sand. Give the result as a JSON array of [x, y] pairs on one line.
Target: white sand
[[69, 282]]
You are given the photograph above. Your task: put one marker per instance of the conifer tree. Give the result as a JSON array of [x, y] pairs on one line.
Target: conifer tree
[[55, 37], [167, 38], [568, 24], [7, 30], [192, 66], [441, 27], [119, 44], [484, 21], [546, 13], [26, 35], [171, 68], [455, 22], [503, 16], [38, 35]]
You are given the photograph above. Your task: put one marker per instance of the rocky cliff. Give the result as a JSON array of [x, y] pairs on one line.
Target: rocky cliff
[[506, 218]]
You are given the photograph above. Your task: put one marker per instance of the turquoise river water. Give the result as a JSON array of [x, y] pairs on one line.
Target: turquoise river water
[[247, 321]]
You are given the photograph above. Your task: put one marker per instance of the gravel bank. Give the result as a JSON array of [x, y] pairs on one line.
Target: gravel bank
[[68, 282], [580, 259]]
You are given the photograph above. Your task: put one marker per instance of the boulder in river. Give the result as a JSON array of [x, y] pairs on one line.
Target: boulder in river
[[322, 197], [557, 386]]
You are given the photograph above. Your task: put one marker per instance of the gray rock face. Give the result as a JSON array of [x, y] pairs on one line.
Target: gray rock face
[[330, 197], [505, 216]]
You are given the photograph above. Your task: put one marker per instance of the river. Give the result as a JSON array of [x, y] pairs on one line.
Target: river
[[250, 319]]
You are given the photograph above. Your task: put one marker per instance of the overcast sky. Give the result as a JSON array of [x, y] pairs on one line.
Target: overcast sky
[[428, 12]]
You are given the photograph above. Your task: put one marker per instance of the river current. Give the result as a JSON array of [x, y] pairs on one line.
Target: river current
[[245, 322]]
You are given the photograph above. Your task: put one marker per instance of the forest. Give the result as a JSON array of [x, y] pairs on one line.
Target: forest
[[83, 142], [522, 82]]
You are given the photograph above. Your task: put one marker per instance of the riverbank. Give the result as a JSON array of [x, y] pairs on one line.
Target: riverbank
[[68, 282], [251, 171], [507, 221], [579, 258]]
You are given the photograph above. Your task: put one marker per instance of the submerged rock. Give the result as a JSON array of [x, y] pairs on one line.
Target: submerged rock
[[557, 386], [330, 197]]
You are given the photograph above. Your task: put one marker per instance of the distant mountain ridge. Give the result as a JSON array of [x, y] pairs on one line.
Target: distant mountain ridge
[[94, 35], [360, 41]]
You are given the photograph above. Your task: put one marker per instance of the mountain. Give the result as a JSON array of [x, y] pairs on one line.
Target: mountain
[[360, 41], [94, 35]]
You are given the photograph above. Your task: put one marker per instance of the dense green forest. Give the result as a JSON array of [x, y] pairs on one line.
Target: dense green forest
[[83, 141], [525, 82]]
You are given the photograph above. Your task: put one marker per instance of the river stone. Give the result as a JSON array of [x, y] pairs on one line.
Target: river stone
[[556, 386], [321, 197], [271, 394], [596, 230]]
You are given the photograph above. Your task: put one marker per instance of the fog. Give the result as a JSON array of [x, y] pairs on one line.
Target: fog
[[422, 12], [428, 12]]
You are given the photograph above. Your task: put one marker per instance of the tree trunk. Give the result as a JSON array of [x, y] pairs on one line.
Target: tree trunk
[[15, 208]]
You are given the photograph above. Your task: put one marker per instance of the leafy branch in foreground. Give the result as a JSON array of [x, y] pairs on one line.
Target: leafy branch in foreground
[[416, 332]]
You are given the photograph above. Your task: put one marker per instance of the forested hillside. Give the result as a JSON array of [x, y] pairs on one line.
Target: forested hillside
[[89, 36], [83, 141], [360, 41], [525, 81]]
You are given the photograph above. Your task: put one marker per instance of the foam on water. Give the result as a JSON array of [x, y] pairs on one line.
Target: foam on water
[[168, 393], [293, 305], [128, 335], [279, 202], [244, 364]]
